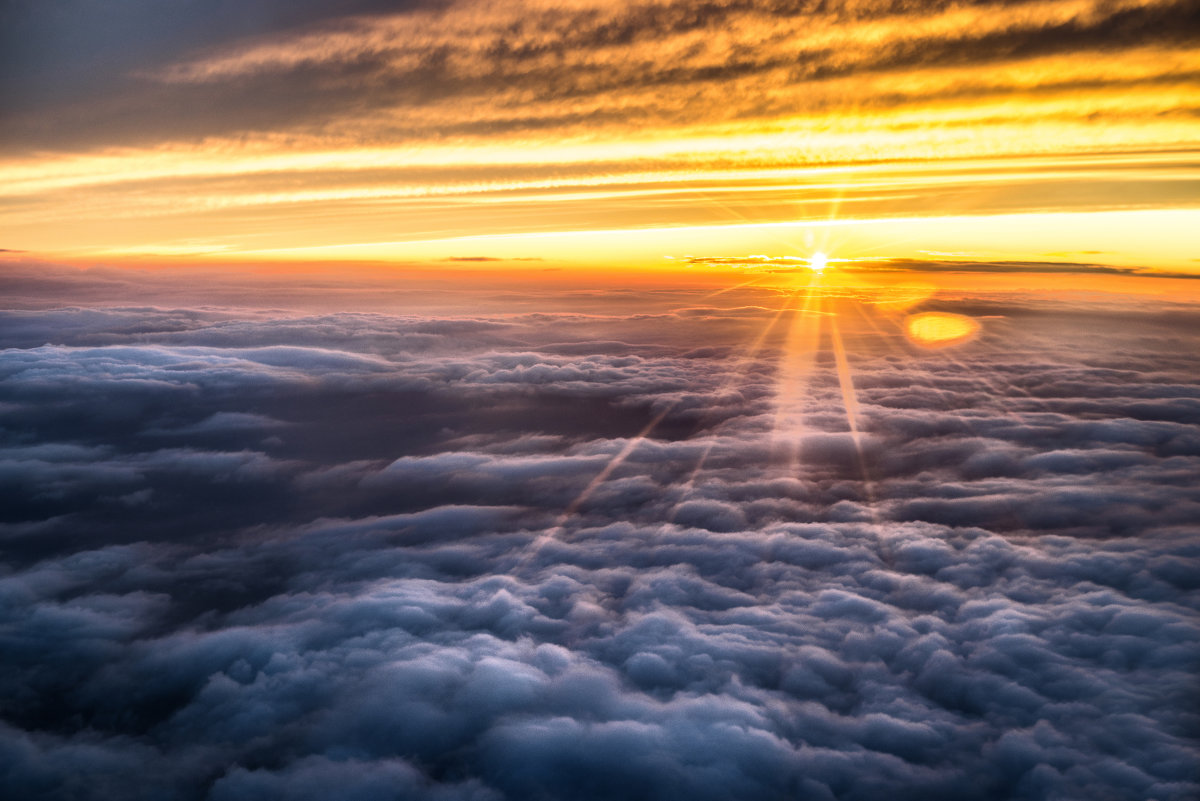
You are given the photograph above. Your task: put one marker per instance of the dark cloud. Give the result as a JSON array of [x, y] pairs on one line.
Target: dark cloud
[[265, 554], [63, 51], [1052, 267]]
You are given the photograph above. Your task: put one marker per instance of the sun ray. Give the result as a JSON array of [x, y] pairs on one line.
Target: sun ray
[[796, 364], [850, 403], [556, 531], [845, 379], [736, 373], [751, 282], [617, 460]]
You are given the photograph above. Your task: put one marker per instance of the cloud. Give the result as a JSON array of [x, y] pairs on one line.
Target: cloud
[[946, 264], [268, 554], [138, 74], [950, 265]]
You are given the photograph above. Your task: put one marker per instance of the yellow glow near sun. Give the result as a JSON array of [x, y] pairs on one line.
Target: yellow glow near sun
[[938, 329]]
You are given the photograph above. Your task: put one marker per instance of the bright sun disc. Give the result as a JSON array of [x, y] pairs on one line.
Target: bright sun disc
[[818, 261]]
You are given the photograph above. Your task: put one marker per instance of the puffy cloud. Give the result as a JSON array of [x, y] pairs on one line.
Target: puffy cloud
[[257, 554]]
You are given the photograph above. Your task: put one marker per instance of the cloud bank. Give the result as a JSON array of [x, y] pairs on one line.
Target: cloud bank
[[254, 554]]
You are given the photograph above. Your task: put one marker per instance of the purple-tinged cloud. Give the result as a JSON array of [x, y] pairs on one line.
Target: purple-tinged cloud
[[255, 554]]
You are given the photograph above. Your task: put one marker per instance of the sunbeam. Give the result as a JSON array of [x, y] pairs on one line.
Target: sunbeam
[[556, 531], [735, 373], [845, 381], [796, 363]]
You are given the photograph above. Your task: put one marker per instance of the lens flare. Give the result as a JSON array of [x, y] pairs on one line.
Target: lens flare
[[938, 329]]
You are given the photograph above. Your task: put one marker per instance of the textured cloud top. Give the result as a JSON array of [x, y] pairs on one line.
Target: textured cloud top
[[601, 549]]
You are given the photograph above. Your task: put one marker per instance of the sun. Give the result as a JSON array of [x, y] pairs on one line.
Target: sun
[[817, 262]]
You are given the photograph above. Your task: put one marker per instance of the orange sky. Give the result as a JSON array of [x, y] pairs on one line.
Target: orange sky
[[608, 135]]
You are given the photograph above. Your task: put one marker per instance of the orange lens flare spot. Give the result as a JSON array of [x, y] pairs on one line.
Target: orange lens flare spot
[[939, 330]]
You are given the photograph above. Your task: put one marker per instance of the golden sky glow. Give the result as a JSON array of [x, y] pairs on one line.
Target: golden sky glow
[[622, 135]]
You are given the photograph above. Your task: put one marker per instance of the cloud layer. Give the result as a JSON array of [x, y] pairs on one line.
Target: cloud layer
[[257, 554]]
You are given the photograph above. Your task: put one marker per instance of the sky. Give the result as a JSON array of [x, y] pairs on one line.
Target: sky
[[598, 401], [599, 135]]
